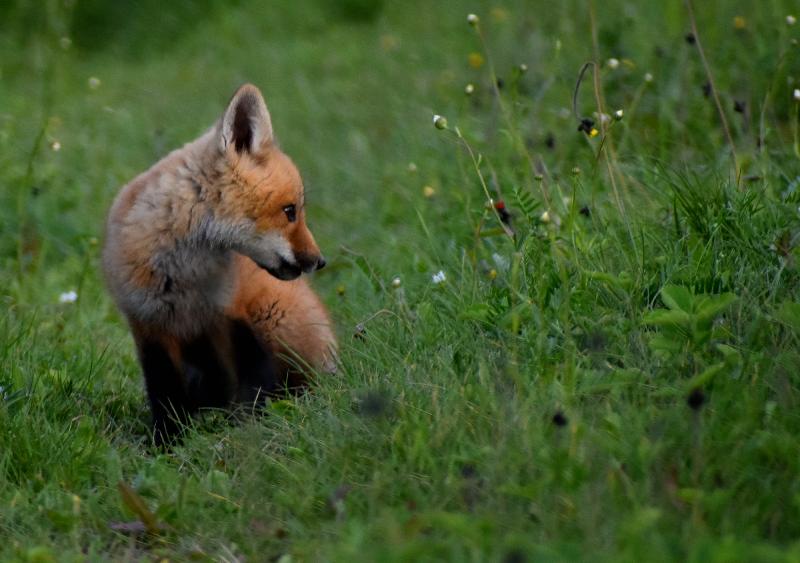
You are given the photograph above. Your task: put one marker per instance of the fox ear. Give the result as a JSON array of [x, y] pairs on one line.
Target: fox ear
[[246, 123]]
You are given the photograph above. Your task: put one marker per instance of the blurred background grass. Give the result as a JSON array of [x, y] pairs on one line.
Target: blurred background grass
[[438, 440]]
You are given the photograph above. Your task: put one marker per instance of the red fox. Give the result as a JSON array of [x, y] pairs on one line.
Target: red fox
[[203, 254]]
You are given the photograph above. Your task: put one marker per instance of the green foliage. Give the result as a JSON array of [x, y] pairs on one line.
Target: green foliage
[[688, 319], [97, 25], [789, 313], [608, 370]]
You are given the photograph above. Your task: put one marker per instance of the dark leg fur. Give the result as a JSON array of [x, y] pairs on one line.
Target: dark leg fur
[[169, 403], [209, 381], [254, 369], [203, 379]]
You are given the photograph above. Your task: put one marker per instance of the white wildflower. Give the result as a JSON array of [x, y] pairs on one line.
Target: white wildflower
[[94, 82], [439, 277], [796, 94], [473, 20], [648, 77], [396, 282], [469, 89], [791, 20], [68, 297], [612, 63], [619, 114]]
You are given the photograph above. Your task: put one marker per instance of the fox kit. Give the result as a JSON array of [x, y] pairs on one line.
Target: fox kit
[[203, 255]]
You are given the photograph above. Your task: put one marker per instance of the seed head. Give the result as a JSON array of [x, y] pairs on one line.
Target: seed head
[[469, 89], [696, 399], [587, 126], [523, 68], [428, 191], [360, 332], [475, 60], [473, 20], [739, 22], [618, 115], [439, 122], [55, 146], [502, 212], [612, 63], [396, 282]]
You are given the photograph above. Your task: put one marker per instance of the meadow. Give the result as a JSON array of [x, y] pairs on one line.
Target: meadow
[[568, 310]]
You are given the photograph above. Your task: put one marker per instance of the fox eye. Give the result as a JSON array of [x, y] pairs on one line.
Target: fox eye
[[291, 213]]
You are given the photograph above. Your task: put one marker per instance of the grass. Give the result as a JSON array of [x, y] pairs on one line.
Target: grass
[[618, 380]]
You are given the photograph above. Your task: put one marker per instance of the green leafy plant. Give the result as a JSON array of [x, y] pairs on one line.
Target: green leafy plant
[[688, 321]]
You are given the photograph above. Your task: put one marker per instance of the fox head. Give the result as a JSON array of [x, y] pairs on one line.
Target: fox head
[[261, 208]]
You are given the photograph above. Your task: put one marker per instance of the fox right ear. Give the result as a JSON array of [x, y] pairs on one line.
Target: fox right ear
[[246, 124]]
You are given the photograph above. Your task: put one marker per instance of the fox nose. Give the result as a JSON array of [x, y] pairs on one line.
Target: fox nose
[[321, 263]]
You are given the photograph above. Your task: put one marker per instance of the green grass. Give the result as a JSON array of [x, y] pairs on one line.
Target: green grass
[[617, 382]]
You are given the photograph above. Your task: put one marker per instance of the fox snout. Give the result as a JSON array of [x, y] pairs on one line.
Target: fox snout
[[307, 255], [287, 270], [288, 265], [310, 262]]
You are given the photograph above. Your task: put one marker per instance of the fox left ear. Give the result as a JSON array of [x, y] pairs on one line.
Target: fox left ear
[[246, 123]]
